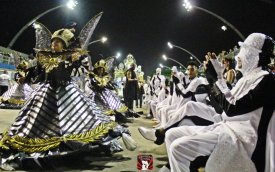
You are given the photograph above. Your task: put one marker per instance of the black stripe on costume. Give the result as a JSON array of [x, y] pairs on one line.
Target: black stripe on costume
[[65, 115], [89, 123], [62, 115], [38, 122], [81, 122], [75, 121]]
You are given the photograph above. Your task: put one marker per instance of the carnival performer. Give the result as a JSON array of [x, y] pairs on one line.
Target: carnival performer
[[59, 118], [173, 97], [157, 92], [242, 130], [190, 88], [195, 91], [16, 96], [104, 92]]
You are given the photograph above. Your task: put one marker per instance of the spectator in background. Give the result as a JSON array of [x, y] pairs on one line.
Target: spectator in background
[[140, 94], [131, 87], [5, 82], [229, 73]]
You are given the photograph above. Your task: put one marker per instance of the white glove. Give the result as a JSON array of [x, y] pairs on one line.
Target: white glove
[[217, 118], [219, 67]]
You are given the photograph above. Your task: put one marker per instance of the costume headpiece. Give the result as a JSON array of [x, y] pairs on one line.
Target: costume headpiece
[[44, 36], [100, 63], [65, 35], [158, 70], [107, 64], [256, 50], [22, 65], [174, 69]]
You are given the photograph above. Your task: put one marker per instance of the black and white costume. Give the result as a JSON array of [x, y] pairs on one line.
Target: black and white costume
[[248, 108]]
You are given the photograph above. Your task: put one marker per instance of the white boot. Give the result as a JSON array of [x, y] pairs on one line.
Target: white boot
[[164, 169], [148, 116], [148, 134]]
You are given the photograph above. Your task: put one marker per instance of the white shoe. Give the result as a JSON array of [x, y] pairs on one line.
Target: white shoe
[[157, 126], [149, 116], [129, 142], [154, 119], [148, 134], [164, 169]]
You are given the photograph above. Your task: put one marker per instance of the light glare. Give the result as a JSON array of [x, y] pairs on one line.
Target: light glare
[[170, 45], [224, 28], [72, 4], [164, 57], [118, 55], [104, 39], [36, 25], [187, 5]]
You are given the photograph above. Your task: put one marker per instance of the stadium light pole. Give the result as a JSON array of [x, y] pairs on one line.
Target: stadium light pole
[[188, 6], [171, 46], [70, 5]]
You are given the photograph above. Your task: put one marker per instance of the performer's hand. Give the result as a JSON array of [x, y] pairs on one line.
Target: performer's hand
[[218, 66], [176, 80], [177, 90]]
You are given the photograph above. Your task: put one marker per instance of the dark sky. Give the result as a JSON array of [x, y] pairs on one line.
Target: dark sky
[[143, 27]]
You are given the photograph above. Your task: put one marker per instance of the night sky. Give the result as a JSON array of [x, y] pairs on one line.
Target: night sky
[[143, 27]]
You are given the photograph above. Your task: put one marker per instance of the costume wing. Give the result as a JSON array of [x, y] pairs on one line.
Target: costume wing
[[42, 36], [17, 58], [87, 31], [109, 64]]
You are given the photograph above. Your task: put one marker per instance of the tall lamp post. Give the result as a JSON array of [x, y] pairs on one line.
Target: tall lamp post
[[70, 4], [170, 45], [168, 58], [103, 40], [162, 66], [188, 6]]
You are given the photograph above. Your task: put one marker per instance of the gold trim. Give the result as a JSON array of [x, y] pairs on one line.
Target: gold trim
[[122, 109], [50, 61], [31, 145], [16, 101], [109, 112], [102, 81]]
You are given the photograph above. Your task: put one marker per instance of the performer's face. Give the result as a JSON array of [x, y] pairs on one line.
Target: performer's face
[[57, 45], [100, 71], [191, 71], [226, 63]]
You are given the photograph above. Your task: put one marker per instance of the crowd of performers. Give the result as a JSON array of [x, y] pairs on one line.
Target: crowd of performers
[[57, 117], [223, 120]]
